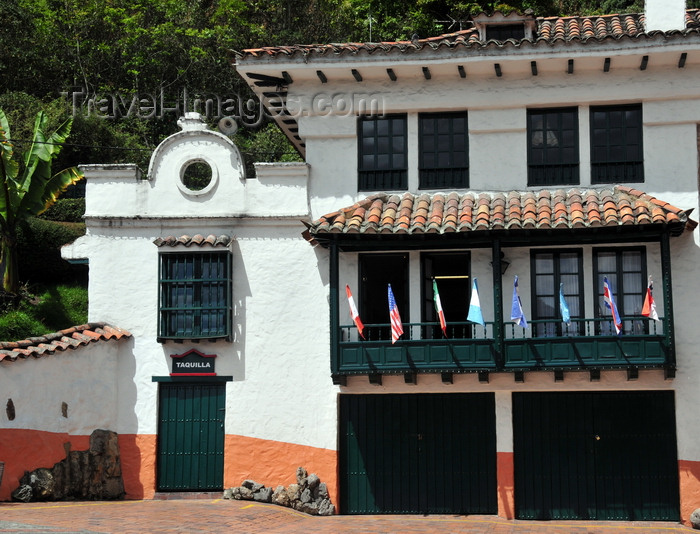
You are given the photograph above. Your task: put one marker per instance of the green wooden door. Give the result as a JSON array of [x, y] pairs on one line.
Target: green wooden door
[[425, 453], [191, 437], [603, 455]]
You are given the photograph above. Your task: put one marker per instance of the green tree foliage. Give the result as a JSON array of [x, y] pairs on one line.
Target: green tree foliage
[[27, 186]]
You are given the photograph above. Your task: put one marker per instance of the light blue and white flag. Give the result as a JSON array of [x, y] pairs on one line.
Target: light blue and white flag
[[564, 307], [516, 311], [475, 315]]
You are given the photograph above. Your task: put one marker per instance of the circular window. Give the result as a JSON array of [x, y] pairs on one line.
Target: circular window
[[197, 175]]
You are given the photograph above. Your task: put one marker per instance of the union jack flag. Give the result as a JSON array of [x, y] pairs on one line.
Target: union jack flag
[[396, 327]]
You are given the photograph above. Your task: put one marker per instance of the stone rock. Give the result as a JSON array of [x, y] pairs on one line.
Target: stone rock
[[252, 485], [694, 518], [293, 492], [323, 491], [301, 476], [313, 481], [325, 507], [246, 494], [280, 496], [236, 493], [42, 482], [305, 496], [228, 493], [310, 508], [263, 495], [24, 493]]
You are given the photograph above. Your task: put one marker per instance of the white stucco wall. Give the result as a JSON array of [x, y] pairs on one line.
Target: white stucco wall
[[83, 378], [279, 357]]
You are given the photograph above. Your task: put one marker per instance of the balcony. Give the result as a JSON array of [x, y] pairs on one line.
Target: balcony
[[587, 344]]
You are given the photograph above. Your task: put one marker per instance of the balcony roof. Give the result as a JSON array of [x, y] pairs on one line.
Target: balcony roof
[[599, 211]]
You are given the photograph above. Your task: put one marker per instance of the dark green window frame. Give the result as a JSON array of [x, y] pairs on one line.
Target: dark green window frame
[[567, 268], [382, 153], [617, 153], [444, 150], [628, 278], [552, 146], [195, 296]]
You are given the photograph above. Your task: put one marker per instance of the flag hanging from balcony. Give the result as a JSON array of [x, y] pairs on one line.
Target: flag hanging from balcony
[[475, 315], [438, 308], [396, 327], [354, 313], [649, 308], [564, 306], [516, 310], [610, 304]]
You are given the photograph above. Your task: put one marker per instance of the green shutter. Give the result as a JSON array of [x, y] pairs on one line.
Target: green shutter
[[425, 453], [600, 456]]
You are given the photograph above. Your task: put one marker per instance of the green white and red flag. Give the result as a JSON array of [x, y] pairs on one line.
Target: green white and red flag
[[438, 308]]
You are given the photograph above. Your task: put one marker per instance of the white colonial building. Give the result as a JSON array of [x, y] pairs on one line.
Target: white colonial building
[[563, 151]]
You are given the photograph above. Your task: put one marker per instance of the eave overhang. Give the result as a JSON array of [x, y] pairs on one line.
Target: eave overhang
[[517, 218]]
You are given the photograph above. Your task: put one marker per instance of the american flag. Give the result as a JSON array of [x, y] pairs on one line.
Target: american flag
[[610, 304], [396, 327]]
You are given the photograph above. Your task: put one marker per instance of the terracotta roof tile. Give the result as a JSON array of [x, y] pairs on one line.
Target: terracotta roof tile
[[70, 338], [467, 212], [549, 30], [197, 240]]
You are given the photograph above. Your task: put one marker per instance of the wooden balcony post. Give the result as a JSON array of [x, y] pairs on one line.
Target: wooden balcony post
[[498, 333], [333, 278], [668, 299]]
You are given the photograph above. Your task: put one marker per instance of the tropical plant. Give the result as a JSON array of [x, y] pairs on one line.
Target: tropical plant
[[27, 187]]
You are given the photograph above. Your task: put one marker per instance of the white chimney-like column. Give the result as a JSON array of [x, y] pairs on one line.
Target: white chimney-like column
[[664, 15]]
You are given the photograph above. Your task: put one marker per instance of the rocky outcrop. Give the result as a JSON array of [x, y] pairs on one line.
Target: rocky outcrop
[[94, 474], [308, 495]]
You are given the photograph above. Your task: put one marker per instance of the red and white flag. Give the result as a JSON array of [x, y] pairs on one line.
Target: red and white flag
[[354, 313], [649, 308], [438, 308], [396, 326]]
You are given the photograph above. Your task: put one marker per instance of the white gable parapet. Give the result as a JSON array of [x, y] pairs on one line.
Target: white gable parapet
[[119, 191]]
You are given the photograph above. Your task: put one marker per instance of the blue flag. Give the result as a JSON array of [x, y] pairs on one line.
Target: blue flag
[[563, 306], [475, 315], [516, 311]]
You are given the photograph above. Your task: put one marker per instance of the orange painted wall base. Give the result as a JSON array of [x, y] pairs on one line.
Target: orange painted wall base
[[26, 450], [505, 473], [138, 457], [274, 462], [689, 480]]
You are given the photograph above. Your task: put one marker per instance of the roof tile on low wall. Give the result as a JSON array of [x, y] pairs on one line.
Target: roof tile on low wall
[[70, 338]]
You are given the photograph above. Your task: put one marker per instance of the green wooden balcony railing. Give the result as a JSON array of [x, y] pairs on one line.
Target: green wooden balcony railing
[[546, 345]]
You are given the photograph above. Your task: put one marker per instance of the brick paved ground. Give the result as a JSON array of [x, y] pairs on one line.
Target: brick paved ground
[[217, 515]]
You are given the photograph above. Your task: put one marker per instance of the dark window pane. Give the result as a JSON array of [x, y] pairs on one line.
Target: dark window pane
[[443, 150], [552, 146], [616, 144], [382, 153]]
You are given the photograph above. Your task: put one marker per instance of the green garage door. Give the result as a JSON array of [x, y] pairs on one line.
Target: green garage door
[[191, 437], [426, 453], [603, 455]]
